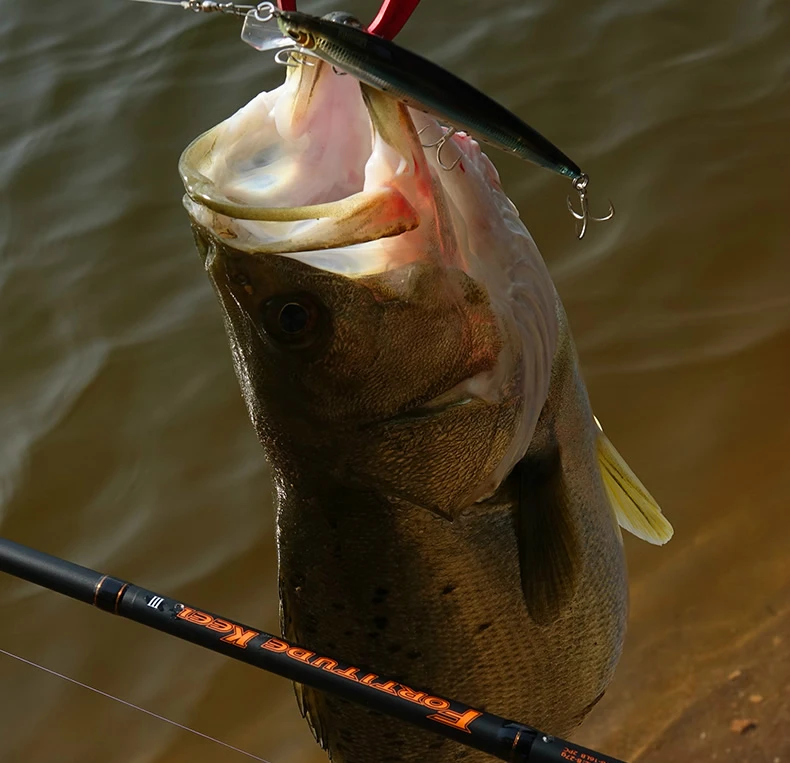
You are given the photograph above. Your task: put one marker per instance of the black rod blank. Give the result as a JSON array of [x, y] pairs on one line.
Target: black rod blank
[[502, 738]]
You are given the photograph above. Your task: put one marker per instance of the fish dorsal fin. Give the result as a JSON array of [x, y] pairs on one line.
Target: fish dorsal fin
[[636, 510]]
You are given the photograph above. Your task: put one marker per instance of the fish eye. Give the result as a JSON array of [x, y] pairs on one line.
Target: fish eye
[[294, 320]]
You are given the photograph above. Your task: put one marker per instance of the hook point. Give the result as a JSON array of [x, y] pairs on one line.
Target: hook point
[[584, 216]]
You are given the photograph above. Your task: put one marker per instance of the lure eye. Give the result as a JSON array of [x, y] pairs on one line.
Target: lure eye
[[300, 38], [294, 320]]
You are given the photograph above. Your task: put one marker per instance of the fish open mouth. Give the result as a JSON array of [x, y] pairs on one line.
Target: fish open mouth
[[322, 169], [333, 173]]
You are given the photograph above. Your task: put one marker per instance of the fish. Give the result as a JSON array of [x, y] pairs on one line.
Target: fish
[[340, 40], [448, 509]]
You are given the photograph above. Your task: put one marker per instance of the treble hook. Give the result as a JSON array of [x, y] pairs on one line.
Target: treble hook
[[439, 145], [580, 186], [284, 55]]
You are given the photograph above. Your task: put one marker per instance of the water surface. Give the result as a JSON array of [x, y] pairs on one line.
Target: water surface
[[125, 443]]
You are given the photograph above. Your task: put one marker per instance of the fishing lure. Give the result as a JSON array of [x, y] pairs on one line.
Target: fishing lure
[[342, 42]]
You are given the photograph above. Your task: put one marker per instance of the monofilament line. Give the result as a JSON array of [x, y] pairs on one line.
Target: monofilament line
[[132, 705]]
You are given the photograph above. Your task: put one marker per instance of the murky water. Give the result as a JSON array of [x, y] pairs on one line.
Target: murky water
[[125, 445]]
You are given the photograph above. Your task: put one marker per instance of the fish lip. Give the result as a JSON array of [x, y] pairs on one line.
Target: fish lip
[[202, 190], [427, 410], [457, 397]]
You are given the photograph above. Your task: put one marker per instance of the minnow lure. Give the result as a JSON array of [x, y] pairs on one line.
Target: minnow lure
[[429, 88], [340, 41]]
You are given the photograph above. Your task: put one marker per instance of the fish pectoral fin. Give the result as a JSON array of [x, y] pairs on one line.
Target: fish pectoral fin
[[548, 544], [636, 510], [308, 702]]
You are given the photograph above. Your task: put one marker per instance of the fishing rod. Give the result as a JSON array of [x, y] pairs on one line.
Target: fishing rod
[[497, 736]]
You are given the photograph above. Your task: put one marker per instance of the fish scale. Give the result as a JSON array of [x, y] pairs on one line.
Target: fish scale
[[455, 617]]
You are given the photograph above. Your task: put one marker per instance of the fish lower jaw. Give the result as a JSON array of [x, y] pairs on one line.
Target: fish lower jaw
[[343, 236]]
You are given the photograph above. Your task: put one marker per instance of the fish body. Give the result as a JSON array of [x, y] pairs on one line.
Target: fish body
[[422, 85], [447, 506]]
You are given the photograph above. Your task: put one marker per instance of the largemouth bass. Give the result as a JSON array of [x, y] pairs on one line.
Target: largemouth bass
[[447, 506]]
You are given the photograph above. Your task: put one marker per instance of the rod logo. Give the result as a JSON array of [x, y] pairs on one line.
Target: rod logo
[[441, 707], [575, 756], [239, 636]]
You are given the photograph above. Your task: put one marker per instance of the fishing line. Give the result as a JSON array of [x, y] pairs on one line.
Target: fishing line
[[132, 705], [504, 739]]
